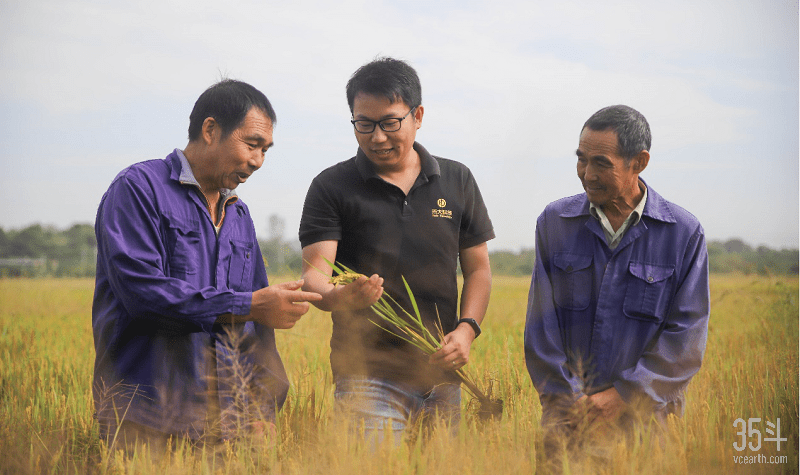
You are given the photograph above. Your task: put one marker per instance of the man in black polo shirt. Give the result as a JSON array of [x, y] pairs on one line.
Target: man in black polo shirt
[[394, 211]]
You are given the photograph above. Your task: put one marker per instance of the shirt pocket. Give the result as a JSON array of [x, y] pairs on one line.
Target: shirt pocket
[[572, 280], [648, 293], [241, 267], [184, 246]]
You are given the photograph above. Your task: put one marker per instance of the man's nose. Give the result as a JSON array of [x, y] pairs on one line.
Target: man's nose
[[257, 160], [378, 135], [590, 173]]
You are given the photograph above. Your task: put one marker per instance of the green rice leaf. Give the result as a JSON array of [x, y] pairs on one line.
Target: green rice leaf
[[333, 266], [413, 300], [314, 267]]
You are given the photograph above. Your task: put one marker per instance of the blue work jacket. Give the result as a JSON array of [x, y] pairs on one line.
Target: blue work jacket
[[635, 318], [164, 275]]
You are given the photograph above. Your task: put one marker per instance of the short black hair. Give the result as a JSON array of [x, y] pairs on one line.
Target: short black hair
[[632, 129], [228, 102], [388, 77]]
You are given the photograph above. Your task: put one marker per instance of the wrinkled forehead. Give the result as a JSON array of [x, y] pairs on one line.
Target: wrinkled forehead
[[594, 142]]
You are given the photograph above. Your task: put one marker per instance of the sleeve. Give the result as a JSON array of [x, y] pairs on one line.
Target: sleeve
[[669, 363], [321, 219], [545, 355], [133, 256], [476, 227]]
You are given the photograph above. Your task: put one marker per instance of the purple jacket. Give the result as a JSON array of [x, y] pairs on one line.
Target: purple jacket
[[635, 318], [163, 278]]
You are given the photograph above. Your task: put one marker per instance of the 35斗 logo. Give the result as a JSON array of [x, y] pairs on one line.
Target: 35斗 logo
[[751, 431]]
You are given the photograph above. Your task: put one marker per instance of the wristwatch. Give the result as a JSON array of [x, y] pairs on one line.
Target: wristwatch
[[471, 322]]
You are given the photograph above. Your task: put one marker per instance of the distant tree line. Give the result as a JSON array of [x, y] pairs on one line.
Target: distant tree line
[[49, 251], [734, 255], [38, 251]]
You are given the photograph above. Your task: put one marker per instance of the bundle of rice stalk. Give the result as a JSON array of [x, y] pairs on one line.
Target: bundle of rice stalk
[[410, 328]]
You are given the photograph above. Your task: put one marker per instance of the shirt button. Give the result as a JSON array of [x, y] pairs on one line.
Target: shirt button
[[247, 255], [405, 203], [650, 278], [569, 268]]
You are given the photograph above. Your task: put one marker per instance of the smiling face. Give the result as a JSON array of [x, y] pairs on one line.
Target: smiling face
[[388, 151], [603, 172], [232, 159]]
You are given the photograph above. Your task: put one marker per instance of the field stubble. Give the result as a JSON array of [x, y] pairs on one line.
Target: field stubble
[[750, 371]]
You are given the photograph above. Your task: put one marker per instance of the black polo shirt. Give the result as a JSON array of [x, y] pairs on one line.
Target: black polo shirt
[[382, 231]]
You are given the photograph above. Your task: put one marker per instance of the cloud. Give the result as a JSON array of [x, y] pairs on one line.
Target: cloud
[[506, 85]]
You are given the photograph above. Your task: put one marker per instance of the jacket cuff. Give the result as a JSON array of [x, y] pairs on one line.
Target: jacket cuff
[[241, 303]]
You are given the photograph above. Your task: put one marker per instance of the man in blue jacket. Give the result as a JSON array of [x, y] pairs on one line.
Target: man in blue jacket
[[183, 317], [619, 301]]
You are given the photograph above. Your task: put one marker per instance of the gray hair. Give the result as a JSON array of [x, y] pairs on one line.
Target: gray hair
[[632, 129]]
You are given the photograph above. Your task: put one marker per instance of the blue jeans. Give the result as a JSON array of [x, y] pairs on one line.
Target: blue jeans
[[380, 404]]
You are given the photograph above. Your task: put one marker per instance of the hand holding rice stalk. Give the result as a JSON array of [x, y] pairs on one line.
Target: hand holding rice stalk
[[411, 329]]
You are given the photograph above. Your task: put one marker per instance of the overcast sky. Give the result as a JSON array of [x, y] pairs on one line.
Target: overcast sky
[[89, 87]]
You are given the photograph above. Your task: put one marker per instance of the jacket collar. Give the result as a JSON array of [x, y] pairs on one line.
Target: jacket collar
[[656, 207], [182, 172]]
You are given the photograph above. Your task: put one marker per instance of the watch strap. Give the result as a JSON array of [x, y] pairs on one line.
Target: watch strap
[[471, 322]]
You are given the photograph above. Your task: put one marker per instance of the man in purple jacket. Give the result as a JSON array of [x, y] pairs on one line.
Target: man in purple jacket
[[183, 317], [619, 301]]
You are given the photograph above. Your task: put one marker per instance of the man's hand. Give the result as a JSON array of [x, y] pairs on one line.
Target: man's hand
[[356, 295], [361, 293], [454, 352], [606, 405], [281, 306]]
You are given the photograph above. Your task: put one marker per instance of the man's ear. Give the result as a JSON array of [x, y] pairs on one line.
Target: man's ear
[[418, 116], [640, 161], [210, 131]]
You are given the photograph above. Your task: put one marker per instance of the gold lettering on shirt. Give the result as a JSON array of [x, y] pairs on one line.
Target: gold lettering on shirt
[[441, 213]]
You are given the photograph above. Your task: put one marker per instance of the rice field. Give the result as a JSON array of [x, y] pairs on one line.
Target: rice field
[[750, 371]]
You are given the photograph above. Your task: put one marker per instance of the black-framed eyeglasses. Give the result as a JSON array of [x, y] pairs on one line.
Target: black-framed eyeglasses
[[392, 124]]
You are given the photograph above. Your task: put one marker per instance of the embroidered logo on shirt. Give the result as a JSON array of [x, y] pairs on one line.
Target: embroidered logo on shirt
[[442, 213]]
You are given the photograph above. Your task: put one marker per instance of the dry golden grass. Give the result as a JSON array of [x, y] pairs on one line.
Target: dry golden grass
[[750, 370]]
